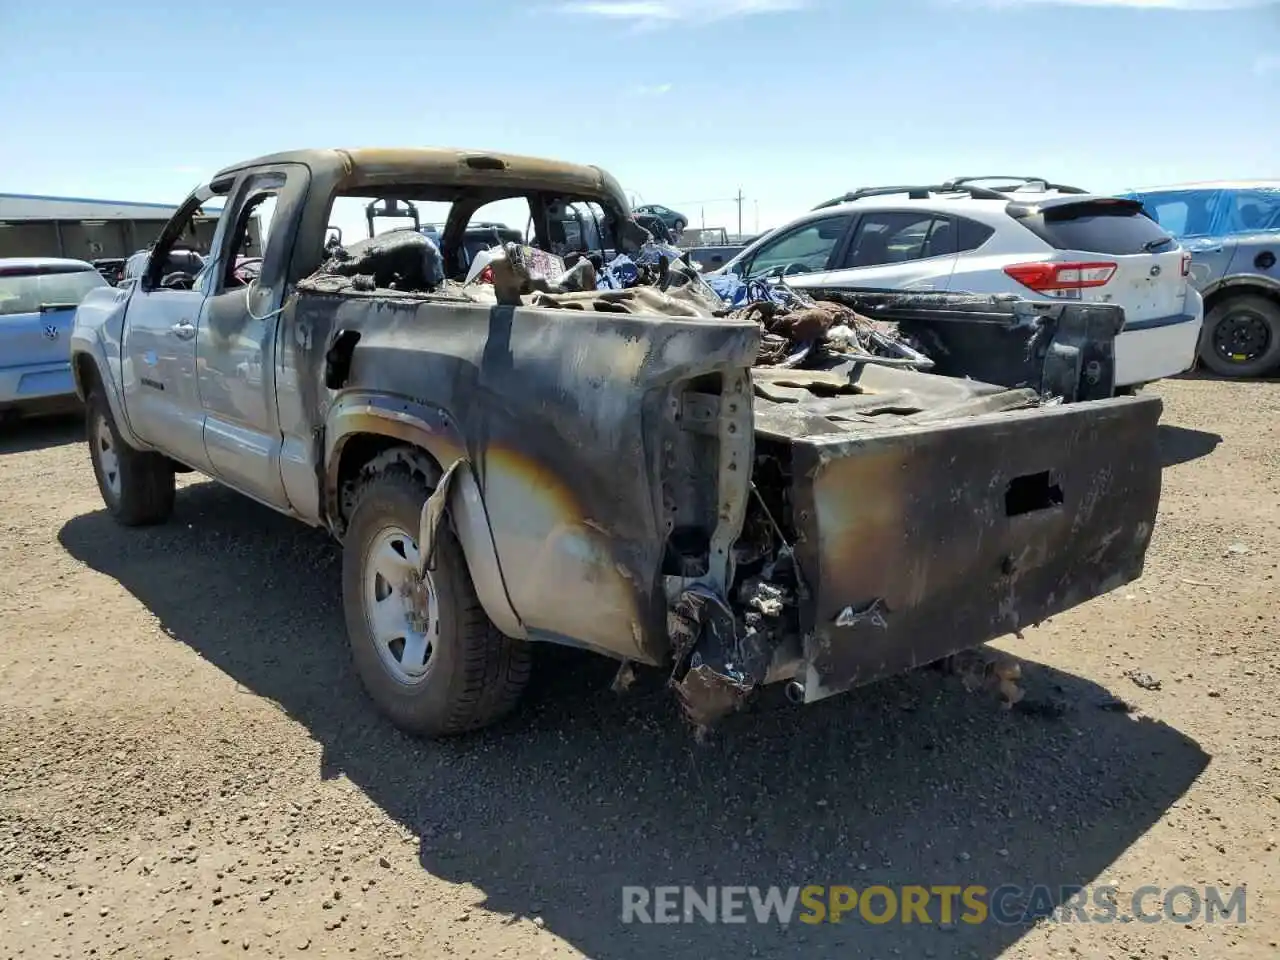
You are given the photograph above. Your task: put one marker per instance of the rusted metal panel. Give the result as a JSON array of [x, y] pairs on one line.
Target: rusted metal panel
[[923, 541]]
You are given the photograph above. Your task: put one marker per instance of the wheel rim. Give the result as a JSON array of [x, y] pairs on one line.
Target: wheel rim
[[108, 459], [400, 606], [1242, 336]]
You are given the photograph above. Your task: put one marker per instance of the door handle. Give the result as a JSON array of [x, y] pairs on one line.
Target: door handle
[[184, 329]]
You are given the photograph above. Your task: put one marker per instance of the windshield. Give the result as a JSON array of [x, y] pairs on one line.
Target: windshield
[[29, 292]]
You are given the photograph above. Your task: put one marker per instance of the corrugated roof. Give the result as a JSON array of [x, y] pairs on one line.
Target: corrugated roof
[[30, 206]]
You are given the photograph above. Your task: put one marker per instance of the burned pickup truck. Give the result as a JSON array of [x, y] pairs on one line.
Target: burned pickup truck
[[812, 490]]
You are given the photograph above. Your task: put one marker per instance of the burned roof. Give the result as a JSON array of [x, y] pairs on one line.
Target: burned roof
[[392, 170]]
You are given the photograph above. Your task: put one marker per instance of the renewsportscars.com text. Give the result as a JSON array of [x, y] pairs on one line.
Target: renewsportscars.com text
[[933, 904]]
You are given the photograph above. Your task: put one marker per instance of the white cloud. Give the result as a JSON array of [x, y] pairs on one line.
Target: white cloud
[[654, 12], [1139, 4], [651, 90]]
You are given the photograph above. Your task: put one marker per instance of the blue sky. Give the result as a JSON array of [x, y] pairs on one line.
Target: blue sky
[[683, 100]]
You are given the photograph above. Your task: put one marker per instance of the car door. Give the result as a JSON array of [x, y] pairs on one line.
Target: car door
[[802, 254], [160, 325], [899, 250], [236, 343]]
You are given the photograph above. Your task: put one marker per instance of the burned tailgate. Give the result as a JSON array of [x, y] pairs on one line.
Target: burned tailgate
[[918, 541]]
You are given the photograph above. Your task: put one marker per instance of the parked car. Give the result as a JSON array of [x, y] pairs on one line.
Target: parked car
[[675, 221], [619, 469], [38, 298], [1232, 230], [656, 226], [1042, 241]]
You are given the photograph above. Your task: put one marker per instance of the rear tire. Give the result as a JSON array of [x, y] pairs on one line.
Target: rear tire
[[136, 486], [450, 670], [1245, 320]]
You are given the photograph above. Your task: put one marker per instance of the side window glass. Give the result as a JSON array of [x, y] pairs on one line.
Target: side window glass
[[943, 239], [1171, 215], [1251, 211], [806, 249], [971, 234], [885, 238]]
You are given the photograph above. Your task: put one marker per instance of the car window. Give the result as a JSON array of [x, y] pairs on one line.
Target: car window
[[805, 249], [1109, 227], [1183, 213], [28, 292], [1250, 211], [892, 237], [972, 234]]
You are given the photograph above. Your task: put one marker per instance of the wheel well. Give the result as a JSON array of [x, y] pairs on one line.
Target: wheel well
[[1234, 290], [365, 454], [85, 372]]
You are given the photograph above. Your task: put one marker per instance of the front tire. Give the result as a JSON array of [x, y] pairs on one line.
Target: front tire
[[424, 648], [1242, 336], [136, 486]]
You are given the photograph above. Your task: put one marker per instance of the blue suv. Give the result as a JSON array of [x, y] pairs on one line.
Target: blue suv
[[1232, 231]]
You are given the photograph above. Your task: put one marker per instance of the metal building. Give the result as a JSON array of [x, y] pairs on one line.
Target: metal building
[[37, 226]]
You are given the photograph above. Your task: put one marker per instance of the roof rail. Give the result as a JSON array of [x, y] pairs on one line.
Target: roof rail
[[1020, 181], [914, 193]]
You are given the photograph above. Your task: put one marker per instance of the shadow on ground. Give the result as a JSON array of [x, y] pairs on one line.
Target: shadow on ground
[[1182, 444], [584, 791], [1204, 373], [40, 433]]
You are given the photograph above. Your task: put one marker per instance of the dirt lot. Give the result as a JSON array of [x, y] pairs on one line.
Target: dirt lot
[[188, 768]]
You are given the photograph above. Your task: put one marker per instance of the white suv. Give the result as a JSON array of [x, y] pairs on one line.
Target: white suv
[[1037, 240]]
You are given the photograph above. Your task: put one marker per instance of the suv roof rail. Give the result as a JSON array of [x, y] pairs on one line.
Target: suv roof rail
[[1018, 181], [914, 193]]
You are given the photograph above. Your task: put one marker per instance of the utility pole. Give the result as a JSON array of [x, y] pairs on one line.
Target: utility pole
[[739, 198]]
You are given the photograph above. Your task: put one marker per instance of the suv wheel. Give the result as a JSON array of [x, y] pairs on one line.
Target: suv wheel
[[425, 651], [136, 486], [1242, 336]]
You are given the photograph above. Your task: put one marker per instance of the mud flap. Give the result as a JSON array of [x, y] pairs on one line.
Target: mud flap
[[919, 542]]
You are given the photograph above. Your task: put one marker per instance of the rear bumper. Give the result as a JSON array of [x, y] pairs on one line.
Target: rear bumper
[[1148, 350], [916, 544], [37, 382]]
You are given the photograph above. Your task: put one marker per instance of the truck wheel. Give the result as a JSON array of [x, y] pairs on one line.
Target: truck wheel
[[1242, 336], [426, 653], [136, 485]]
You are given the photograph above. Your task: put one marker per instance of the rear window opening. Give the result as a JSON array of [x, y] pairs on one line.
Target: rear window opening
[[1112, 227]]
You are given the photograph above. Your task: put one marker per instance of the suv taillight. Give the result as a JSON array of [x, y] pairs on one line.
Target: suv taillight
[[1044, 277], [1186, 264]]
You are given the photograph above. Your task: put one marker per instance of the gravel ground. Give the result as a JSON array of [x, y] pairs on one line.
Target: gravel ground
[[188, 767]]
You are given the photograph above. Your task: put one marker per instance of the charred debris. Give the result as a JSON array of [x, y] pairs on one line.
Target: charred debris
[[828, 361]]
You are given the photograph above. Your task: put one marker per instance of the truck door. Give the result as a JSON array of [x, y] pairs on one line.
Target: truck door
[[159, 351], [236, 343]]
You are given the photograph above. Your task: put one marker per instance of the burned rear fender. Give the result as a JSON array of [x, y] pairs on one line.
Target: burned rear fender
[[364, 414], [573, 424], [923, 541]]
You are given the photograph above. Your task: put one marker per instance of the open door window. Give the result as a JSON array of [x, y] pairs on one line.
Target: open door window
[[177, 260]]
